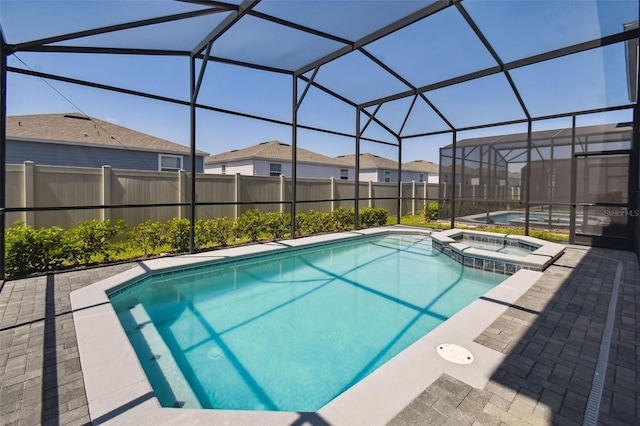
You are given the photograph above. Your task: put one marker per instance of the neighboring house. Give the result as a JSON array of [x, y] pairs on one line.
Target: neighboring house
[[78, 140], [514, 179], [274, 159], [373, 168], [378, 169], [421, 171]]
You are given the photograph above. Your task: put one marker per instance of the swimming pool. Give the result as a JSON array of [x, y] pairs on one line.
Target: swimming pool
[[118, 389], [533, 217], [291, 331], [517, 218]]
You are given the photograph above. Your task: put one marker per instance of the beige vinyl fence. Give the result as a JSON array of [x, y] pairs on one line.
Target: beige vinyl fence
[[32, 185]]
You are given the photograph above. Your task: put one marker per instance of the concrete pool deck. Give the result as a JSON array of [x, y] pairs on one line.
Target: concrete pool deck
[[546, 343]]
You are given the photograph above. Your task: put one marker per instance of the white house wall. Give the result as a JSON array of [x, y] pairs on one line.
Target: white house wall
[[313, 171], [244, 167], [409, 176], [305, 170], [369, 175]]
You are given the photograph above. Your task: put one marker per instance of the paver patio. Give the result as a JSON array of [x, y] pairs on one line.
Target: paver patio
[[551, 337]]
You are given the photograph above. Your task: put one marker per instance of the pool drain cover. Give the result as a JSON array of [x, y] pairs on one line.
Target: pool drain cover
[[215, 353], [455, 353]]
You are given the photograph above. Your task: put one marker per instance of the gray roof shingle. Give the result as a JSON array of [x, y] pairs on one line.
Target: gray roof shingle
[[272, 150], [276, 150], [81, 129]]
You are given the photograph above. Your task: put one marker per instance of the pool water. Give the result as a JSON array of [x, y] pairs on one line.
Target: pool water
[[504, 249], [292, 331], [505, 218]]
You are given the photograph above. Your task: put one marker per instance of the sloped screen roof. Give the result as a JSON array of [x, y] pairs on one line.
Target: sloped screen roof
[[460, 63]]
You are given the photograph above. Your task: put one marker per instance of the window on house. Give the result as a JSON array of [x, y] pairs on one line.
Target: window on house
[[344, 174], [224, 169], [275, 169], [420, 177], [170, 163], [387, 176]]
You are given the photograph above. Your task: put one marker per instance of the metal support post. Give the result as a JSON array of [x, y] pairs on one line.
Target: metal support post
[[192, 130], [572, 208], [3, 151], [528, 180], [399, 203], [453, 179], [294, 155], [356, 223]]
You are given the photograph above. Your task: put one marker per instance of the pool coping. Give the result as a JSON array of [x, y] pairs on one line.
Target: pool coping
[[453, 243], [118, 391]]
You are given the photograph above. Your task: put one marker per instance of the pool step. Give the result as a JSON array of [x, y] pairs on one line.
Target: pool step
[[170, 385]]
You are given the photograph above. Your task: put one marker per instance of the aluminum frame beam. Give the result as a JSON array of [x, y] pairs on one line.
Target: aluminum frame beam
[[554, 54], [111, 28], [178, 101], [225, 25], [524, 120], [391, 28], [494, 54]]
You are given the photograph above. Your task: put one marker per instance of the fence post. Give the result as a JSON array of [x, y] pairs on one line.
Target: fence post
[[333, 192], [370, 193], [182, 193], [425, 195], [283, 189], [29, 192], [238, 196], [105, 214], [413, 197]]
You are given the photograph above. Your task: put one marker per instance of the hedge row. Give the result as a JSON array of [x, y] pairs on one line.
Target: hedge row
[[31, 250]]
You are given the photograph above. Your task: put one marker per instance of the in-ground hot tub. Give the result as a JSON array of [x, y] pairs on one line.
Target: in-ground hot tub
[[501, 253]]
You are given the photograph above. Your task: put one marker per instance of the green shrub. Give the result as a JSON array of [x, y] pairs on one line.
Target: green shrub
[[277, 224], [370, 216], [380, 216], [431, 211], [301, 223], [313, 222], [343, 218], [147, 235], [32, 250], [222, 230], [177, 234], [214, 231], [250, 225], [202, 237], [91, 238]]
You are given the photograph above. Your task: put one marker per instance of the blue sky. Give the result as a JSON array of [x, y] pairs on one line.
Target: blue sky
[[439, 47]]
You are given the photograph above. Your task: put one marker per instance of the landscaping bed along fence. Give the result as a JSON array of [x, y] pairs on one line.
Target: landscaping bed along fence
[[29, 250]]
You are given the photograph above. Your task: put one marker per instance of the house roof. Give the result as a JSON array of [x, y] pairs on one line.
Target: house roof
[[81, 129], [276, 150], [421, 166], [272, 150], [369, 161]]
